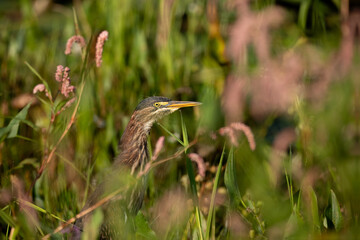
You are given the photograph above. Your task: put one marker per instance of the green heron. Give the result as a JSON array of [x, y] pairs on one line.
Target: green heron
[[133, 157]]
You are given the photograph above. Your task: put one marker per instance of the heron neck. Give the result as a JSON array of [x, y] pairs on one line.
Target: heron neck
[[133, 144]]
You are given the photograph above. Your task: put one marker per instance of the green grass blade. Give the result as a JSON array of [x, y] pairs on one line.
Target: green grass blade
[[184, 132], [303, 13], [230, 179], [39, 76], [314, 210], [143, 229], [7, 219], [191, 174], [171, 134], [72, 165], [39, 209], [213, 194]]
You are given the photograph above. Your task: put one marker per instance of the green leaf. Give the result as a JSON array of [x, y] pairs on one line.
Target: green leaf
[[28, 161], [143, 230], [314, 210], [39, 209], [293, 225], [166, 130], [230, 179], [91, 230], [60, 104], [213, 194], [7, 219], [336, 216], [191, 174], [337, 3], [303, 13], [13, 127], [184, 132], [39, 76]]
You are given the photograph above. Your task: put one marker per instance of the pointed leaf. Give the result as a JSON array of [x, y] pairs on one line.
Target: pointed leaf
[[39, 76], [143, 229], [13, 126], [303, 13], [336, 216], [7, 219], [314, 210], [171, 134], [184, 132], [230, 179]]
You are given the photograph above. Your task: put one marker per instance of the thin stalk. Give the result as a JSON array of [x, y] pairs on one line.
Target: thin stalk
[[191, 174], [213, 195]]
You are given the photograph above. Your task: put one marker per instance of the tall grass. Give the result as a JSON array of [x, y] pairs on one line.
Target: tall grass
[[281, 74]]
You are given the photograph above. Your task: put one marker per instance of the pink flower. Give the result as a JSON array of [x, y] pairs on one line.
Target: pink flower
[[233, 97], [277, 86], [59, 73], [252, 28], [103, 36], [39, 88], [200, 163], [62, 75], [66, 88], [77, 39], [230, 131], [159, 145]]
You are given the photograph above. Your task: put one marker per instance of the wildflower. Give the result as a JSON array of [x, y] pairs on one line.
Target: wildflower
[[277, 86], [41, 88], [230, 131], [62, 75], [59, 73], [170, 211], [77, 39], [159, 145], [283, 140], [233, 97], [103, 36], [66, 88], [253, 28], [200, 163]]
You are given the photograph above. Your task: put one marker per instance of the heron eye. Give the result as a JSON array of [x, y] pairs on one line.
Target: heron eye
[[157, 104]]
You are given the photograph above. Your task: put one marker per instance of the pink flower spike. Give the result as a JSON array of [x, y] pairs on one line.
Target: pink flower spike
[[59, 73], [39, 88], [77, 39], [200, 163], [159, 145], [230, 132], [247, 131], [66, 88], [103, 36]]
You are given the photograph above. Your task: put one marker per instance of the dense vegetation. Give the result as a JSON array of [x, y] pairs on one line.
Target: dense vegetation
[[272, 153]]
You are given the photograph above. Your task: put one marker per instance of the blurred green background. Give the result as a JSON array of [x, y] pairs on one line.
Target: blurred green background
[[288, 69]]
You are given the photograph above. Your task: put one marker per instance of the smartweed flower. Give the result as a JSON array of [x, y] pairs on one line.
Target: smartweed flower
[[103, 36]]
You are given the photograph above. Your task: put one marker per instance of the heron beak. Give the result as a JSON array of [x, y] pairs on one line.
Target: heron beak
[[181, 104]]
